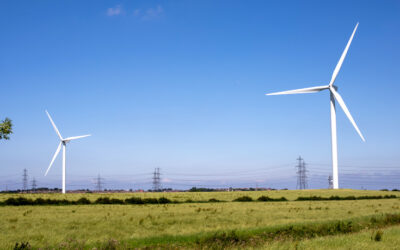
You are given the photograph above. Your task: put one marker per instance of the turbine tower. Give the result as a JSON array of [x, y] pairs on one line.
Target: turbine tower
[[334, 95], [63, 143]]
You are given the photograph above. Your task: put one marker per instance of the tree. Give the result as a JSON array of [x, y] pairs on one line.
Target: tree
[[5, 129]]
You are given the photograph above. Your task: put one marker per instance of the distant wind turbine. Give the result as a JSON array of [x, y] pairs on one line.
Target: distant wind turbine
[[334, 95], [63, 143]]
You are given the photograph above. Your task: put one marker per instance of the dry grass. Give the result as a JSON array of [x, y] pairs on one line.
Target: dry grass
[[205, 196], [53, 225]]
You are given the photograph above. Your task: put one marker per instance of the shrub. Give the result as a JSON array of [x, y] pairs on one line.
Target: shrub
[[20, 201], [222, 240], [116, 201], [369, 197], [343, 227], [83, 201], [22, 245], [64, 202], [103, 200], [312, 198], [213, 200], [150, 201], [378, 235], [134, 200], [40, 201], [266, 198], [10, 202], [243, 199], [391, 219], [164, 200], [349, 198], [390, 196], [337, 198]]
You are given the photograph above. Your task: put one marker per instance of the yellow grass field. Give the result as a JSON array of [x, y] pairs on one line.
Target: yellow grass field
[[86, 226], [205, 196]]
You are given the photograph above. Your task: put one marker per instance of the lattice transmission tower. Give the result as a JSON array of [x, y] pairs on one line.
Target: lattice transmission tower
[[301, 174], [330, 181], [99, 183], [34, 185], [156, 180], [25, 180]]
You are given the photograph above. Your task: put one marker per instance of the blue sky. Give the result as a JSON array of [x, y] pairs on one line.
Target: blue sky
[[180, 85]]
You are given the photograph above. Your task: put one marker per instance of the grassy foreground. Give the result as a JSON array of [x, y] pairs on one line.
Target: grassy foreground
[[359, 241], [137, 225]]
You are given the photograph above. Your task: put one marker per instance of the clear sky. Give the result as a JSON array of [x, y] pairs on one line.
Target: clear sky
[[181, 85]]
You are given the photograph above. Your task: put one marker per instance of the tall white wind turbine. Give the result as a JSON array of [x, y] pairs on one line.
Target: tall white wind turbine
[[63, 143], [334, 95]]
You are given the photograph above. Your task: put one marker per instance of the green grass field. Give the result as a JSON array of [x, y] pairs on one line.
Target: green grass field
[[358, 241], [80, 226]]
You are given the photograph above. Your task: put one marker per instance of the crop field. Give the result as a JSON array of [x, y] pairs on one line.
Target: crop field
[[193, 222]]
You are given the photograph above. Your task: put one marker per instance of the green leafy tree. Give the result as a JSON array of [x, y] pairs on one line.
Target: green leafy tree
[[5, 129]]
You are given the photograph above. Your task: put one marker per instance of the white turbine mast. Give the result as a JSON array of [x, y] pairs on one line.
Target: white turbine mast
[[63, 143], [334, 95]]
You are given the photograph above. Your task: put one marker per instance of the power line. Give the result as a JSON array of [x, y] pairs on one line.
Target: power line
[[316, 176]]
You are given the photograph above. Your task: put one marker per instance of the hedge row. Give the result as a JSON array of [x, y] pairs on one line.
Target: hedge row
[[261, 198], [316, 198], [337, 198], [22, 201]]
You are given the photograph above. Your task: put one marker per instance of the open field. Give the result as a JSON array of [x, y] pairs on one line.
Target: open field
[[144, 225], [205, 196]]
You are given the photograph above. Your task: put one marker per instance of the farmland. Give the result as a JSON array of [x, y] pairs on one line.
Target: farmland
[[181, 224], [205, 196]]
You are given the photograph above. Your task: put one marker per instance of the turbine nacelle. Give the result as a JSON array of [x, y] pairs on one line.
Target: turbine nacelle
[[335, 87]]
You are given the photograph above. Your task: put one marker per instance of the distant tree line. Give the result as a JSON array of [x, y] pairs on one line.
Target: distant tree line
[[196, 189]]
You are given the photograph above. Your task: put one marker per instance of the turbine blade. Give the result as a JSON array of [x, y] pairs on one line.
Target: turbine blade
[[75, 137], [54, 125], [54, 157], [300, 91], [346, 111], [339, 64]]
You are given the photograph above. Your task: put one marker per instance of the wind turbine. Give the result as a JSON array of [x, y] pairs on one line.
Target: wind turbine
[[63, 143], [333, 95]]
